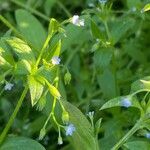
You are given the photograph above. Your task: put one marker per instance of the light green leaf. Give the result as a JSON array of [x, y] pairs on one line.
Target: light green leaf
[[22, 67], [142, 85], [83, 134], [21, 143], [22, 49], [53, 26], [137, 145], [6, 53], [146, 8], [30, 28], [36, 88], [119, 102]]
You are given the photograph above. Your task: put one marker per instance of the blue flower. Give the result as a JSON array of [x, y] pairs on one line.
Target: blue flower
[[126, 102], [8, 86], [147, 135], [102, 1], [70, 129], [56, 60]]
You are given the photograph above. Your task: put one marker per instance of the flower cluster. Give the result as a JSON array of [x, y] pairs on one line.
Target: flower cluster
[[8, 86]]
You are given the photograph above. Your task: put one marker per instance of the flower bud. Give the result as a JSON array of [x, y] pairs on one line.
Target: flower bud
[[42, 133], [60, 141], [67, 78], [65, 117]]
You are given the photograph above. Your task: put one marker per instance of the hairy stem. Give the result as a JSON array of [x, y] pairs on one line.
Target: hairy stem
[[13, 116], [128, 135]]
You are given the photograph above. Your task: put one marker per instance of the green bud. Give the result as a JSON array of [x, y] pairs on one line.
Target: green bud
[[65, 116], [67, 78], [60, 141], [42, 133]]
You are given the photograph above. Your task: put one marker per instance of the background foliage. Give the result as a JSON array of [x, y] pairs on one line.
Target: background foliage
[[107, 59]]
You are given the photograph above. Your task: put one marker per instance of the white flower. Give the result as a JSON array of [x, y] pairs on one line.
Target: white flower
[[91, 5], [77, 21], [56, 60], [147, 135], [102, 1], [70, 129], [8, 86], [126, 102], [91, 114]]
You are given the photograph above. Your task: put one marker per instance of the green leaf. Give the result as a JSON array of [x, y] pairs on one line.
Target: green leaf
[[6, 53], [137, 145], [118, 102], [36, 88], [54, 51], [30, 28], [53, 26], [102, 58], [107, 84], [141, 85], [83, 134], [21, 143], [22, 49], [96, 31], [146, 8], [22, 67], [120, 28]]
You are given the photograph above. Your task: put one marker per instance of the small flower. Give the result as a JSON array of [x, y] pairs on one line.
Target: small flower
[[8, 86], [91, 114], [126, 102], [70, 129], [147, 135], [56, 60], [102, 1], [76, 21], [91, 5]]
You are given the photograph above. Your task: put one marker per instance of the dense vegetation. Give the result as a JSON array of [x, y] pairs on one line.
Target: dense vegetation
[[74, 75]]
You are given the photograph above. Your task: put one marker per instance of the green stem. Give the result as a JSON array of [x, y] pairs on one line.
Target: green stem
[[30, 9], [64, 8], [107, 29], [13, 116], [128, 135], [43, 49], [9, 25]]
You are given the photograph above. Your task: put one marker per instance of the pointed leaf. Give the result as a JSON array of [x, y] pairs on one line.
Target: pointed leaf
[[36, 89], [119, 101], [21, 143], [30, 28], [83, 135]]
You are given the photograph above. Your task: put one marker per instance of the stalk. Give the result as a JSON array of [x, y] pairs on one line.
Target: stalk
[[128, 135], [13, 116]]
